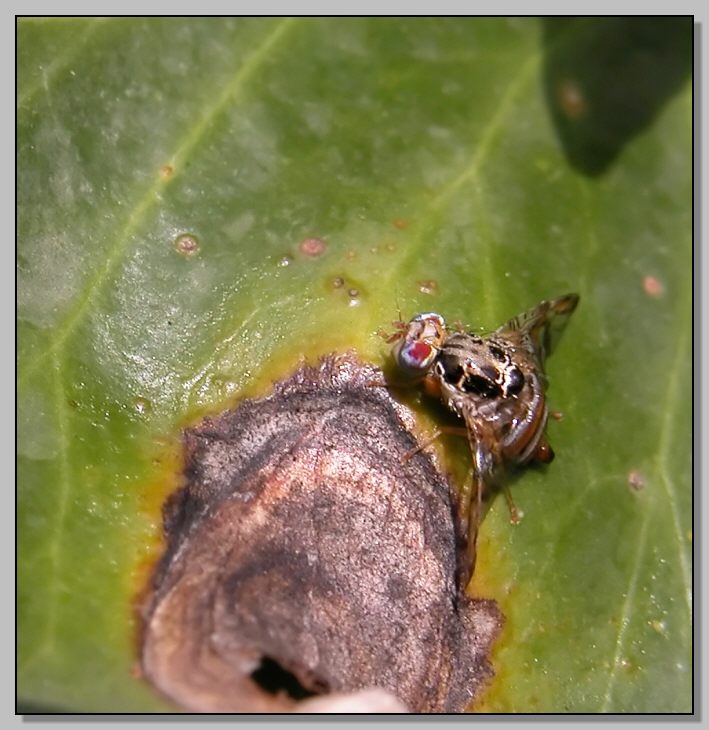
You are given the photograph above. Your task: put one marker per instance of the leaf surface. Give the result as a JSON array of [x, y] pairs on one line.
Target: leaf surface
[[445, 165]]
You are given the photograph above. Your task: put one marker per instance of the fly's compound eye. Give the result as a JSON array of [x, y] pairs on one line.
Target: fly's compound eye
[[415, 356], [416, 352]]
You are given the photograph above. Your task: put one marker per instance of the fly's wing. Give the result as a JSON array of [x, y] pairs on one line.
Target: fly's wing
[[486, 465], [539, 329]]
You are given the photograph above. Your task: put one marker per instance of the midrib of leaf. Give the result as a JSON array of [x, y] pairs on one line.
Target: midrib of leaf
[[470, 175], [152, 195]]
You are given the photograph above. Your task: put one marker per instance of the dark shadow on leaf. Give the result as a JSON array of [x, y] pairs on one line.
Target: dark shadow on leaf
[[607, 79]]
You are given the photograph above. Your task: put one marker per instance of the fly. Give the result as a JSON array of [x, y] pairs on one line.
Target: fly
[[496, 385]]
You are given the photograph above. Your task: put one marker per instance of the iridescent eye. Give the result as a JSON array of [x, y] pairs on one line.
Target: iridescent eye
[[415, 355], [417, 350]]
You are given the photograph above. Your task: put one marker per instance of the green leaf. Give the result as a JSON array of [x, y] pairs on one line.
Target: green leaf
[[471, 166]]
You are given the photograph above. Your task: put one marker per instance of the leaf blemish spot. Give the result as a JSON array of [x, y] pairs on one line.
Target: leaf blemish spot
[[142, 406], [570, 99], [167, 171], [312, 247], [428, 286], [636, 480], [186, 244], [653, 287]]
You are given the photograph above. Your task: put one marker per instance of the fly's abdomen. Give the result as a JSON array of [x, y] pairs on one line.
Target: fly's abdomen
[[527, 430]]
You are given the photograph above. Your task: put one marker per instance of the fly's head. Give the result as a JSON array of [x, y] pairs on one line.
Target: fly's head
[[418, 344]]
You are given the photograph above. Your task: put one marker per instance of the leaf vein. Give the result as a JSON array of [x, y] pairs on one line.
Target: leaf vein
[[58, 65], [625, 613], [152, 195], [663, 469]]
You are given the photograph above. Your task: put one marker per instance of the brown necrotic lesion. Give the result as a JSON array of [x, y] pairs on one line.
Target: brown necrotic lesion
[[306, 555]]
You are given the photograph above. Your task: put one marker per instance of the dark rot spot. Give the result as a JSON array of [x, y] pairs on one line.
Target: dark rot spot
[[186, 244], [312, 247], [167, 171], [427, 286], [297, 509]]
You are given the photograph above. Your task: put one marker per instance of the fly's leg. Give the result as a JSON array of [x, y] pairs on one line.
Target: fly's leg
[[470, 506], [469, 518], [450, 430], [515, 514]]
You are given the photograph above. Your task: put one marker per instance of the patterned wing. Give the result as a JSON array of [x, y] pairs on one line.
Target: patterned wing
[[539, 328]]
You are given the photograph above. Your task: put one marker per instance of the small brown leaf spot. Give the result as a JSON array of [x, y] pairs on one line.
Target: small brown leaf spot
[[351, 255], [312, 247], [338, 282], [428, 286], [570, 99], [73, 404], [167, 171], [373, 249], [391, 247], [636, 481], [401, 224], [653, 287], [187, 245]]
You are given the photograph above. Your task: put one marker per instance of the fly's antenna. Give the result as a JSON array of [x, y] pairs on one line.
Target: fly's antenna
[[398, 306]]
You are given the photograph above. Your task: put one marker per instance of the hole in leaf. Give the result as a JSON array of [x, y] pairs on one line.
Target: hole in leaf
[[273, 678]]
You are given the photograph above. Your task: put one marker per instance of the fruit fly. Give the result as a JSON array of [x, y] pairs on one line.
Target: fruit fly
[[496, 385]]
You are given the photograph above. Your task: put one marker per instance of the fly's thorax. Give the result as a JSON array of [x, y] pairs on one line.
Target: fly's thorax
[[498, 385]]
